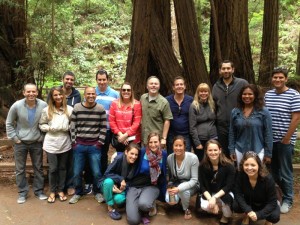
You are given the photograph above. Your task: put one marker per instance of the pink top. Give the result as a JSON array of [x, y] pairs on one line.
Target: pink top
[[120, 119]]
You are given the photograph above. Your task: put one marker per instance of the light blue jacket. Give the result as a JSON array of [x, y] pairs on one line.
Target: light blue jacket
[[251, 134]]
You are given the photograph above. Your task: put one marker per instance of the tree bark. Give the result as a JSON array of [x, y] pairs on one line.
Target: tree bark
[[269, 49], [232, 23]]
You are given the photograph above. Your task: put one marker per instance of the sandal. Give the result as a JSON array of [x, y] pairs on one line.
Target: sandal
[[145, 221], [187, 214], [62, 197], [51, 198]]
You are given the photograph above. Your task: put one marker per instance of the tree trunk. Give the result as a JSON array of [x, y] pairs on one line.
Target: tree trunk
[[298, 58], [12, 51], [269, 49], [191, 51], [232, 24]]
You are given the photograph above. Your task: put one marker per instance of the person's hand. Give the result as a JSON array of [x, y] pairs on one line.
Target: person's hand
[[267, 160], [116, 189], [199, 147], [122, 185], [173, 190], [286, 140], [122, 137], [233, 157], [252, 216], [212, 202]]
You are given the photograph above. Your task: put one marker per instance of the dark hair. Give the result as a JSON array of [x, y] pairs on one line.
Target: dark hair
[[226, 61], [153, 134], [223, 160], [262, 171], [258, 102], [131, 146], [68, 73], [178, 78], [102, 72], [280, 69], [179, 137]]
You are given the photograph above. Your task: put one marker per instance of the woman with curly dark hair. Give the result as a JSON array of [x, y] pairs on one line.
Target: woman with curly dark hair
[[250, 126], [255, 192]]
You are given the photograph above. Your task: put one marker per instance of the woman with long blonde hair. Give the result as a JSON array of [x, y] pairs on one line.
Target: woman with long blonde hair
[[202, 119]]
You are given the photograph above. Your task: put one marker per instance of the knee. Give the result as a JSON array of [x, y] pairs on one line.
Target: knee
[[145, 205], [108, 183], [119, 199], [133, 220]]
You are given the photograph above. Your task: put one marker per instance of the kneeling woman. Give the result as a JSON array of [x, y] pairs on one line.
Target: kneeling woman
[[148, 184], [216, 177], [183, 172], [255, 193], [117, 177]]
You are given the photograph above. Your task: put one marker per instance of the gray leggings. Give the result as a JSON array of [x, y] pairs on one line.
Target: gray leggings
[[139, 200]]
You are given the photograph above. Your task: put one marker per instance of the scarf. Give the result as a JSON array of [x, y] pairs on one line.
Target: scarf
[[154, 159]]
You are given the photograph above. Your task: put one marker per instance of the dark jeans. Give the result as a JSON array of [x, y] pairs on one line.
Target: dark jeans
[[82, 153], [69, 168], [57, 171], [36, 154], [223, 132]]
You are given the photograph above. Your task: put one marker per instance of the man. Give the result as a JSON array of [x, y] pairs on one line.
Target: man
[[88, 129], [73, 97], [105, 96], [180, 105], [284, 105], [156, 112], [22, 127], [225, 92]]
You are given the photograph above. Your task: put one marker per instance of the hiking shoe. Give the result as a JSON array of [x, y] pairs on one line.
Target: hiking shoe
[[88, 189], [153, 211], [41, 196], [21, 200], [285, 208], [115, 215], [75, 199], [99, 198]]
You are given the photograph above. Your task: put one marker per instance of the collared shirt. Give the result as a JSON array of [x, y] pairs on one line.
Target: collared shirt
[[155, 113], [180, 122]]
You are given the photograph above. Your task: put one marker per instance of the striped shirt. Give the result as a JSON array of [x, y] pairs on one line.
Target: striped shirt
[[88, 124], [281, 106]]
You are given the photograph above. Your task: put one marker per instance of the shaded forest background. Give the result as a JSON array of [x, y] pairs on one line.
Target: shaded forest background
[[41, 39]]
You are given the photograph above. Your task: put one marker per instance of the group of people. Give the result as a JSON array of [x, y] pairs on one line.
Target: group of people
[[230, 128]]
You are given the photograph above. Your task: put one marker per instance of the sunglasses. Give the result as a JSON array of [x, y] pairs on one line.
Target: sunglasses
[[126, 90], [179, 110]]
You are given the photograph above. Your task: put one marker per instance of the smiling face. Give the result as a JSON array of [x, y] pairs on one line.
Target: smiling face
[[57, 98], [248, 96], [68, 82], [279, 81], [213, 152], [179, 147], [131, 155], [90, 96], [153, 86], [179, 86], [126, 93], [102, 82], [30, 92], [250, 167], [154, 144], [226, 71], [203, 95]]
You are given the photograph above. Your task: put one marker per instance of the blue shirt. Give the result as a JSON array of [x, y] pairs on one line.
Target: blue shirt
[[180, 122], [105, 99], [252, 133]]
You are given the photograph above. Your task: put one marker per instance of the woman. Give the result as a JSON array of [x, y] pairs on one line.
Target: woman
[[183, 172], [55, 122], [250, 126], [202, 119], [148, 184], [125, 118], [117, 177], [255, 193], [216, 177]]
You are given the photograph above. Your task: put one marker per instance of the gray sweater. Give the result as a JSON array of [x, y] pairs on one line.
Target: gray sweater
[[17, 123], [188, 171]]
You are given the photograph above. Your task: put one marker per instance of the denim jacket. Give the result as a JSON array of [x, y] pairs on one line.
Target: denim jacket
[[253, 133]]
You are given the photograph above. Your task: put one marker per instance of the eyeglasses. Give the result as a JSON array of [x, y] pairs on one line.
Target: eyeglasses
[[280, 68], [251, 153], [214, 180], [126, 90], [179, 110]]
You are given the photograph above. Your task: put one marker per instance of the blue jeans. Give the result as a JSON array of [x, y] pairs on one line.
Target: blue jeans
[[82, 153], [282, 169], [36, 154], [170, 138]]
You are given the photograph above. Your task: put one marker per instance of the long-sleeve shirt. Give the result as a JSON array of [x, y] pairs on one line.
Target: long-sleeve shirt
[[253, 133], [88, 125], [18, 126], [57, 138], [187, 173], [126, 119], [261, 199]]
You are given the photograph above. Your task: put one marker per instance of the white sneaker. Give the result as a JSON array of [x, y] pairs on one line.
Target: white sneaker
[[285, 208]]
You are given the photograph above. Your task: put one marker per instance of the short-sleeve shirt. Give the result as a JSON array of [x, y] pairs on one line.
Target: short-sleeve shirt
[[155, 113], [281, 106]]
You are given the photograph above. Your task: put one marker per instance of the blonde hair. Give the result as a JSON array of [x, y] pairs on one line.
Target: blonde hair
[[197, 101], [121, 97], [51, 103]]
